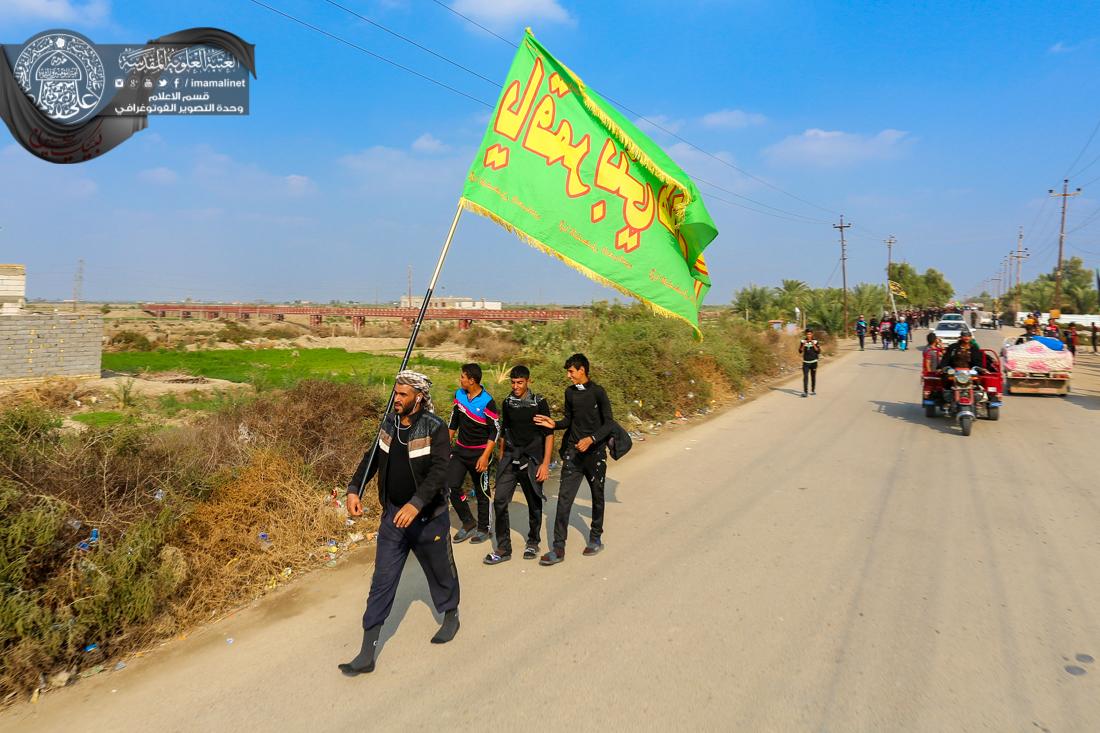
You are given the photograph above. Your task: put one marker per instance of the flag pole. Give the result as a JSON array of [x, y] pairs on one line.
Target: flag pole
[[412, 337]]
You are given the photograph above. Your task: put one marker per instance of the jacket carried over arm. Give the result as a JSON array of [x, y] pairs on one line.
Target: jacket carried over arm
[[429, 451]]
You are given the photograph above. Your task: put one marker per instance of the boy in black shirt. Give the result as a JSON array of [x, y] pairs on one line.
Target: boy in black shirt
[[474, 429], [524, 455], [811, 351], [587, 425]]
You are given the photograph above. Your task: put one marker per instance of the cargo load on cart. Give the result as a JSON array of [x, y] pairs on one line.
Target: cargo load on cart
[[1040, 365]]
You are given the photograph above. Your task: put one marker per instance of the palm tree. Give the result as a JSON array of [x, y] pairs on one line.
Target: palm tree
[[869, 299], [754, 302], [1080, 298], [791, 294], [825, 310]]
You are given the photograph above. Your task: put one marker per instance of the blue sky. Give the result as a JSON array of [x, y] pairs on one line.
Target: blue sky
[[941, 123]]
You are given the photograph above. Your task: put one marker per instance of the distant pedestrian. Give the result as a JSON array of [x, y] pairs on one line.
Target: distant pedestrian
[[410, 462], [873, 328], [474, 428], [885, 330], [901, 334], [1095, 333], [811, 352], [1070, 337], [861, 331], [525, 452], [588, 423]]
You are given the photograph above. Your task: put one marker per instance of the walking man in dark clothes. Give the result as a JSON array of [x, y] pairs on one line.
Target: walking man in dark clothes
[[811, 351], [587, 424], [525, 450], [1094, 331], [474, 428], [410, 463], [861, 331]]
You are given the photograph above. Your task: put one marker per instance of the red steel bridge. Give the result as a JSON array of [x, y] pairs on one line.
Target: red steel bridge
[[357, 316]]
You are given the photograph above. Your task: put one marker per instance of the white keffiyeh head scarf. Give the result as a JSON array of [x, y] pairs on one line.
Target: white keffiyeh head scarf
[[420, 383]]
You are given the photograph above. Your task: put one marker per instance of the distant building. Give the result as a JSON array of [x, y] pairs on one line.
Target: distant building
[[452, 301], [13, 289], [39, 346]]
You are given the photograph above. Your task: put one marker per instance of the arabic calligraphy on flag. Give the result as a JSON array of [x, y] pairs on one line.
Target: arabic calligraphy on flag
[[568, 174]]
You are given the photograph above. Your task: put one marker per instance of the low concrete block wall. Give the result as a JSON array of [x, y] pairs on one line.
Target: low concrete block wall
[[35, 347]]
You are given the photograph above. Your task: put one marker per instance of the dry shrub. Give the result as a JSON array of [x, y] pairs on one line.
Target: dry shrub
[[435, 336], [496, 348], [55, 394], [325, 424], [385, 329], [178, 513], [228, 564]]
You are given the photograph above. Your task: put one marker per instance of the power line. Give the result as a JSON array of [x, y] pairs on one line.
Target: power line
[[789, 214], [408, 40], [367, 51], [448, 8], [1083, 149]]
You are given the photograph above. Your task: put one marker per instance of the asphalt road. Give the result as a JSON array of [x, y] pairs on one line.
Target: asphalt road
[[837, 563]]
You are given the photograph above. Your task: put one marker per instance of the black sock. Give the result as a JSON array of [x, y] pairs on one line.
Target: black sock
[[365, 661], [449, 628]]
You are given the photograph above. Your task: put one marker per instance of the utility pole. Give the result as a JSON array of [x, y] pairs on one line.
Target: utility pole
[[844, 268], [1056, 304], [889, 266], [889, 257], [1020, 256], [78, 283]]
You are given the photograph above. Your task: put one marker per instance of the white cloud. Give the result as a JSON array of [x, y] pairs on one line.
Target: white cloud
[[158, 176], [91, 12], [428, 143], [647, 125], [298, 185], [733, 119], [1063, 47], [835, 148], [506, 14]]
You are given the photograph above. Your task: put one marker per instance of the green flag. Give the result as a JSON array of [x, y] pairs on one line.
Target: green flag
[[568, 174]]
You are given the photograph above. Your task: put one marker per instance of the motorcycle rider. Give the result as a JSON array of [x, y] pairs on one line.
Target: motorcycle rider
[[963, 354]]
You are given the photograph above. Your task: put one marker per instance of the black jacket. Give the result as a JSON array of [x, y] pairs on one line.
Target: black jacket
[[948, 359], [429, 450]]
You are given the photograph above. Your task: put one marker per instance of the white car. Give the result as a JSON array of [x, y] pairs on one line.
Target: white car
[[952, 317], [949, 331]]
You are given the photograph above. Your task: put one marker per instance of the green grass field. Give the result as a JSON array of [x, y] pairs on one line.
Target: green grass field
[[283, 368]]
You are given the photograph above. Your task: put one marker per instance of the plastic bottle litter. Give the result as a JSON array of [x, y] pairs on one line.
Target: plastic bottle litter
[[265, 541], [91, 647], [94, 536], [120, 666], [159, 496]]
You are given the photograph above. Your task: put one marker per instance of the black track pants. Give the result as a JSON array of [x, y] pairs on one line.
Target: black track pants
[[510, 475], [464, 461], [809, 376], [430, 542], [592, 467]]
